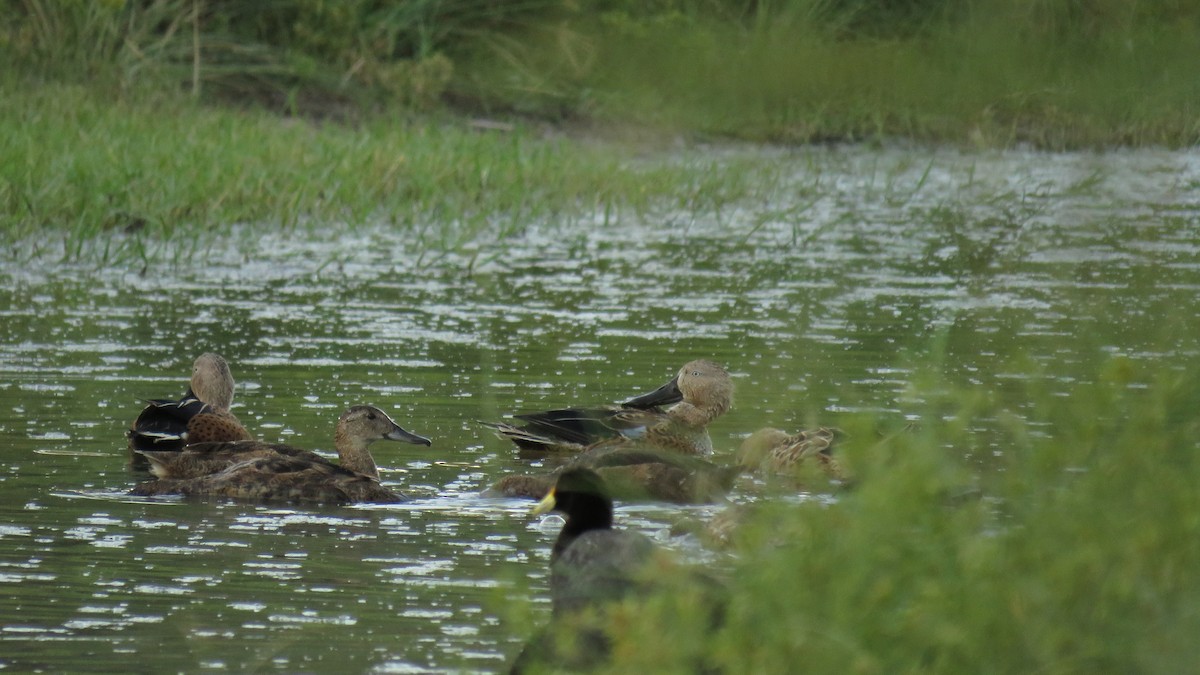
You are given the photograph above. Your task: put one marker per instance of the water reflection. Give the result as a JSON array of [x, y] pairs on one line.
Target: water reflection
[[855, 268]]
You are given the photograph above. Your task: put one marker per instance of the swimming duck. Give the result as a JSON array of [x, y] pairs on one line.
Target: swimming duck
[[701, 392], [774, 451], [634, 474], [591, 566], [202, 415], [264, 472]]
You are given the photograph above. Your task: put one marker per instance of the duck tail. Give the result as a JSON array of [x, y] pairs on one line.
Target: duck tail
[[158, 460], [523, 438]]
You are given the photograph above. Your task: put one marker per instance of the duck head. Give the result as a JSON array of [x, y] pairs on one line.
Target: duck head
[[365, 424], [702, 383], [212, 381], [582, 496]]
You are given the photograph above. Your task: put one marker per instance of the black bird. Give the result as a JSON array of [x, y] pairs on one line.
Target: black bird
[[592, 565]]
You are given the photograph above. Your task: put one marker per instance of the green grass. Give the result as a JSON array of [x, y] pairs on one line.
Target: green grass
[[987, 76], [138, 171], [1077, 554], [1052, 73]]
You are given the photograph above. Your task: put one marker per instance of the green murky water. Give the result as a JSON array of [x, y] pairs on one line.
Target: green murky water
[[864, 266]]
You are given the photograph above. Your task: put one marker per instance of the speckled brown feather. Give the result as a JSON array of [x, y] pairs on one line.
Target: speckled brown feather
[[278, 479], [521, 486], [216, 427], [778, 452], [634, 475], [201, 459]]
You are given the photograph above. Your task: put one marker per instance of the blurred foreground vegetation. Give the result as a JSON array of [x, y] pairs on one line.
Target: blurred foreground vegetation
[[1078, 555], [1055, 73]]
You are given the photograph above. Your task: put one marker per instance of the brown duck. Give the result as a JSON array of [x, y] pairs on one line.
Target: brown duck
[[267, 472], [202, 415], [770, 450], [701, 392], [634, 474]]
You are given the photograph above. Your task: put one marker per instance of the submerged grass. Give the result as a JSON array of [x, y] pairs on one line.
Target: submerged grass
[[1077, 554]]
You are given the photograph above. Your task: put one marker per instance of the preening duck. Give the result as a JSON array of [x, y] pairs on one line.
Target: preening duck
[[701, 391], [201, 415]]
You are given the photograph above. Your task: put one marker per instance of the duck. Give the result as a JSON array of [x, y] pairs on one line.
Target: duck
[[773, 451], [634, 474], [588, 544], [700, 392], [269, 472], [593, 565], [201, 415]]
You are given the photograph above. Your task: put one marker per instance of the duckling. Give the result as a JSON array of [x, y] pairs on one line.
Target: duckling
[[775, 451], [266, 472], [592, 566], [202, 415], [701, 392]]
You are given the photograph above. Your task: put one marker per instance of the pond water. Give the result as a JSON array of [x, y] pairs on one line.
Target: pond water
[[856, 269]]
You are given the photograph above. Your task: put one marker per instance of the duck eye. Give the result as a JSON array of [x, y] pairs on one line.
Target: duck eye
[[370, 416]]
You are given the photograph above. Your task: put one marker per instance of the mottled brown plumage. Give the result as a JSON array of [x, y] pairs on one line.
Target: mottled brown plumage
[[702, 391], [774, 451], [277, 479], [521, 486], [634, 474], [201, 416], [215, 427], [256, 471]]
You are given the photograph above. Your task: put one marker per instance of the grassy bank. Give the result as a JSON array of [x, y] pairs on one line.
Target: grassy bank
[[79, 165], [986, 82], [1079, 555], [1054, 73]]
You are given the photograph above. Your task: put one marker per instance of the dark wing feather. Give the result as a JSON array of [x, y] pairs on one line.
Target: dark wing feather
[[162, 425], [585, 426]]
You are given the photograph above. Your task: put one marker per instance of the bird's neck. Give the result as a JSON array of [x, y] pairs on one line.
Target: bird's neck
[[596, 517], [354, 455], [692, 415]]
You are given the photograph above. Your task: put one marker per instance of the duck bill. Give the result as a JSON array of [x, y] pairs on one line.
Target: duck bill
[[545, 506], [400, 434], [664, 395]]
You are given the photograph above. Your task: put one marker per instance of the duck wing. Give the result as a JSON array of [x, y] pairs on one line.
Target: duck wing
[[163, 423], [277, 478], [585, 426], [201, 459]]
